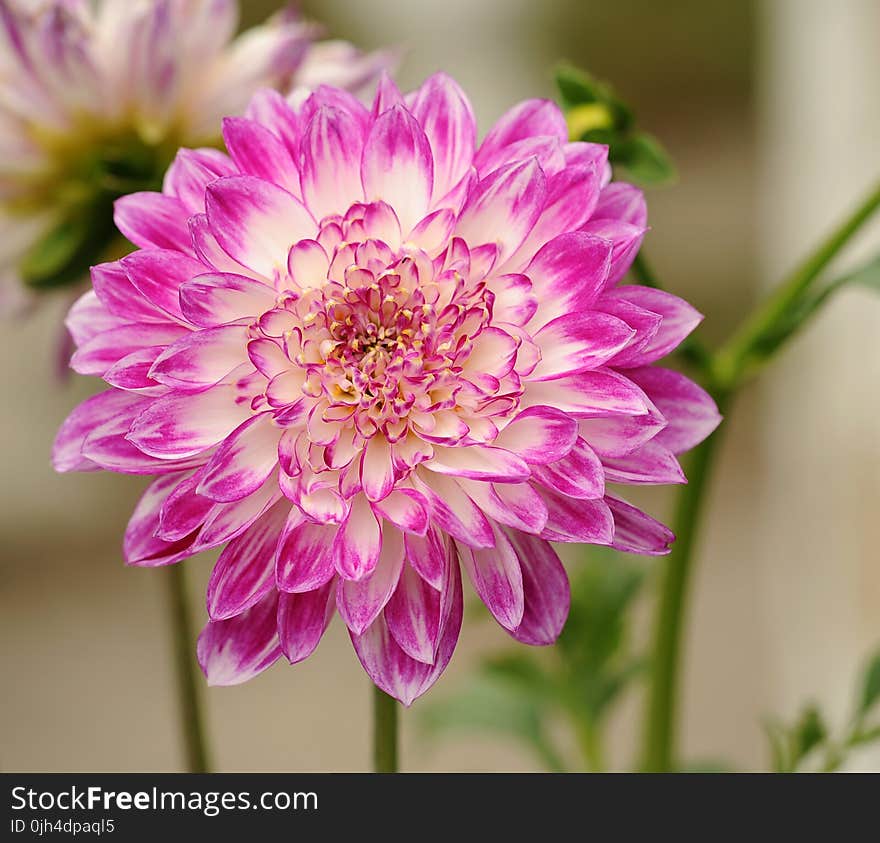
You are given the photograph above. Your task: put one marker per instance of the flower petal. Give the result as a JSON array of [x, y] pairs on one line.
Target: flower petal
[[360, 601], [503, 207], [547, 594], [690, 411], [497, 578], [331, 156], [397, 166], [256, 222], [245, 570], [303, 619], [446, 116], [182, 425], [578, 341], [568, 273], [232, 651], [305, 558], [358, 542], [243, 462], [413, 616], [636, 532], [539, 435]]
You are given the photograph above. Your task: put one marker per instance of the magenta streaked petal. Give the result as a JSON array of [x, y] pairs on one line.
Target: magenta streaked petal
[[140, 545], [579, 341], [201, 358], [625, 240], [526, 120], [454, 511], [568, 273], [87, 318], [678, 320], [617, 436], [571, 520], [600, 392], [360, 601], [547, 595], [429, 555], [397, 166], [377, 469], [243, 462], [502, 208], [636, 532], [690, 412], [479, 462], [67, 449], [445, 114], [387, 95], [191, 172], [238, 649], [358, 542], [132, 372], [539, 435], [303, 619], [257, 152], [497, 578], [406, 509], [516, 505], [624, 202], [652, 464], [153, 221], [211, 300], [245, 570], [182, 425], [158, 275], [256, 222], [183, 511], [392, 669], [331, 156], [305, 558], [579, 474], [105, 349], [645, 323], [413, 616], [112, 287], [228, 520]]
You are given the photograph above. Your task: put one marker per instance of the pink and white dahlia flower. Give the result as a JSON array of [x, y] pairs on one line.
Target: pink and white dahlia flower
[[362, 351], [97, 95]]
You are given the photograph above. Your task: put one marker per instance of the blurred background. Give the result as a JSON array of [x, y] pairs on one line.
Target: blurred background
[[771, 110]]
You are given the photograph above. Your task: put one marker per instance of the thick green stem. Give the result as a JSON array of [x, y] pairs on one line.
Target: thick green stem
[[192, 724], [384, 732], [662, 707], [734, 360], [726, 371]]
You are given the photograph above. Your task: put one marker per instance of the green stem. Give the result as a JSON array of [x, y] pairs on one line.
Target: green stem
[[384, 732], [726, 371], [192, 725], [734, 360], [662, 705], [590, 741]]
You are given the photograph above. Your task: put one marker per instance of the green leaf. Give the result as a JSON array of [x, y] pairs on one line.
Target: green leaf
[[644, 159], [65, 253], [490, 705], [809, 732], [866, 276], [866, 737], [870, 686], [777, 737], [576, 86]]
